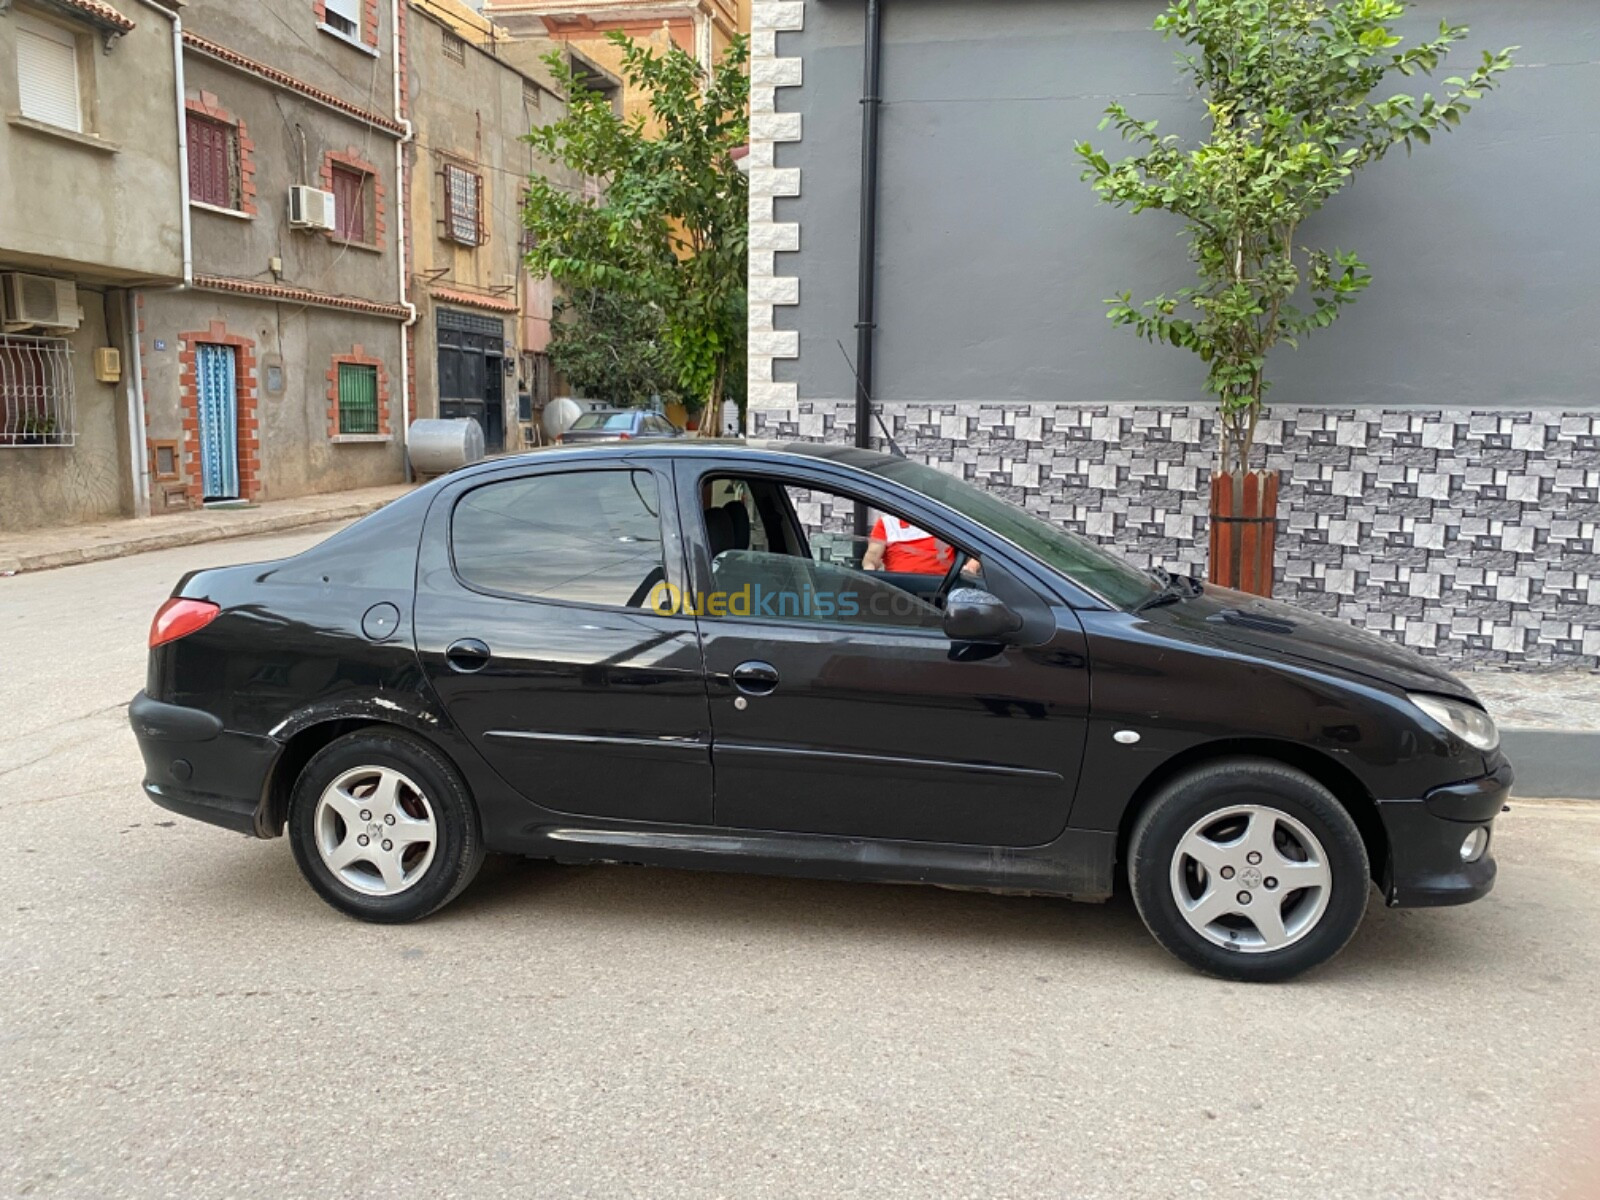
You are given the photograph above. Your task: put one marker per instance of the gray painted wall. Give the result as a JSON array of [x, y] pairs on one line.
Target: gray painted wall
[[994, 257]]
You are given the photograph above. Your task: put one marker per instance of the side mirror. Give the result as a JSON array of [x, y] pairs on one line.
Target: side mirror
[[971, 615]]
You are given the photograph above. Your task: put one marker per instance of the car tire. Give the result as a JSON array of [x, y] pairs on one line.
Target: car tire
[[1247, 869], [383, 827]]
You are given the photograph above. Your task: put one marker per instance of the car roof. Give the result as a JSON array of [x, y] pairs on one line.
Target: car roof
[[691, 447]]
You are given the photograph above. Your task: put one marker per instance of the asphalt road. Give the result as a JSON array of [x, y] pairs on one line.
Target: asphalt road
[[180, 1016]]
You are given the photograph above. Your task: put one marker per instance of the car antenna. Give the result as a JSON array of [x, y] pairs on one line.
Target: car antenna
[[894, 446]]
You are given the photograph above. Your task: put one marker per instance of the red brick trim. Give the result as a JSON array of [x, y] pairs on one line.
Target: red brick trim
[[358, 357], [249, 422], [101, 14], [353, 161], [369, 19], [208, 106], [474, 300], [250, 66], [294, 295]]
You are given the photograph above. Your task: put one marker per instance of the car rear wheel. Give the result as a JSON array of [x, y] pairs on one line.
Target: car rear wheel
[[383, 828], [1248, 869]]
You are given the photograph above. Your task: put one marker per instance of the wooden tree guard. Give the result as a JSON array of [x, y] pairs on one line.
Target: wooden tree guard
[[1244, 530]]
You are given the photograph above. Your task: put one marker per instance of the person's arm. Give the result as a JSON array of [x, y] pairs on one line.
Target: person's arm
[[872, 560]]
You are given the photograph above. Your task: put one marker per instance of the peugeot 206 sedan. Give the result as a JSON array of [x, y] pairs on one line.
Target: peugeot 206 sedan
[[669, 655]]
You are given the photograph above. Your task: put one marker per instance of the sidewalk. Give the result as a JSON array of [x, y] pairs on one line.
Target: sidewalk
[[1549, 727], [41, 549]]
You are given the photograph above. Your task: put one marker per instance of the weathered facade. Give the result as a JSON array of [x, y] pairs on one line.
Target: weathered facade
[[483, 324], [1440, 445], [702, 28], [88, 201], [278, 370]]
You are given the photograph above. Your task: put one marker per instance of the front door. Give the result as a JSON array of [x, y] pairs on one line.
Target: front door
[[216, 369], [533, 627], [838, 704]]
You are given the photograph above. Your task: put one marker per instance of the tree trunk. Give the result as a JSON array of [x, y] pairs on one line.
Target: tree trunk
[[1244, 528]]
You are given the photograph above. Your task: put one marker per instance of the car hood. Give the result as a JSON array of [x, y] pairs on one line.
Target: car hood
[[1224, 617]]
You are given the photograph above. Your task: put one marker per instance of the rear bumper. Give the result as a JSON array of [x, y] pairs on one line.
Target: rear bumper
[[196, 768], [1425, 837]]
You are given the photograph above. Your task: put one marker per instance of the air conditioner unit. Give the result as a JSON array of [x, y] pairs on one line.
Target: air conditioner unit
[[310, 208], [38, 300]]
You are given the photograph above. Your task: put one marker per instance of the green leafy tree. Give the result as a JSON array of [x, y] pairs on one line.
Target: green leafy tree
[[664, 225], [1290, 95], [611, 348]]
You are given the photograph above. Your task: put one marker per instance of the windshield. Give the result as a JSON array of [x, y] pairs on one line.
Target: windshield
[[595, 420], [1080, 560]]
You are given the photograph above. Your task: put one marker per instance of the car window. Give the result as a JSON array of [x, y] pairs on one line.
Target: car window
[[1080, 560], [759, 531], [597, 420], [593, 537], [758, 584]]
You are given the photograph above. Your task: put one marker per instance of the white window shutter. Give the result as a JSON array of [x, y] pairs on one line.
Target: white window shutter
[[47, 73], [350, 10]]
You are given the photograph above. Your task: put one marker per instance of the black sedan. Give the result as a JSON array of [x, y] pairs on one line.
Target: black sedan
[[668, 654]]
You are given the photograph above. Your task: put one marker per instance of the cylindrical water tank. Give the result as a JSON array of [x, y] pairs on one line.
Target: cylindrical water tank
[[440, 446], [559, 415]]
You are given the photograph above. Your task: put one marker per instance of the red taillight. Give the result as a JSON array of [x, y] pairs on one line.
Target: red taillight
[[178, 618], [624, 437]]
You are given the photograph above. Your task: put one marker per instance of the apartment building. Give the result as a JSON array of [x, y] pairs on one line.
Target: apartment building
[[279, 368], [89, 212]]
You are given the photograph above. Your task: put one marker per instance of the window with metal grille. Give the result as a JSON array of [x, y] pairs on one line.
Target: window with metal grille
[[530, 93], [36, 392], [351, 189], [343, 17], [455, 47], [47, 73], [464, 202], [358, 398], [213, 162]]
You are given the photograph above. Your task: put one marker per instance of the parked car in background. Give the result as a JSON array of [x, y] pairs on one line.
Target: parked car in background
[[618, 424], [642, 654]]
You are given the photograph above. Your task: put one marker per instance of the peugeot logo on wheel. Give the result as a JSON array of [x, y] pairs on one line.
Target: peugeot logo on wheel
[[1250, 877]]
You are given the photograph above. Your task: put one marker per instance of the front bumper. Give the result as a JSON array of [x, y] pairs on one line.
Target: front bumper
[[1425, 837], [196, 768]]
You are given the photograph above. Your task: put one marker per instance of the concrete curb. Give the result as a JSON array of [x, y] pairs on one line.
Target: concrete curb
[[1553, 764], [248, 525]]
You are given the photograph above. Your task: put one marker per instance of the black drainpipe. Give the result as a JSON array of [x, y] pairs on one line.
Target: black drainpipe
[[868, 268]]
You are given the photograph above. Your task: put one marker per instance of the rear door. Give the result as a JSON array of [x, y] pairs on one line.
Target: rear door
[[533, 627]]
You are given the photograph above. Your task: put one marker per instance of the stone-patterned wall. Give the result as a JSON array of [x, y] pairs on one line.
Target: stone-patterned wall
[[1471, 534]]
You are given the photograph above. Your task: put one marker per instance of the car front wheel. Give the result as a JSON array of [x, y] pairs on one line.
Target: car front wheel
[[1248, 869], [383, 828]]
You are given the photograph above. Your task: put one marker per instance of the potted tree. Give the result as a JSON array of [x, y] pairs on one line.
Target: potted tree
[[1289, 88]]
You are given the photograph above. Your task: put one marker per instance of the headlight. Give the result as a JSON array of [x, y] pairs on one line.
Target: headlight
[[1472, 725]]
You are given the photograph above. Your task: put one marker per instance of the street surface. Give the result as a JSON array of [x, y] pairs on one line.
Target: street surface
[[181, 1016]]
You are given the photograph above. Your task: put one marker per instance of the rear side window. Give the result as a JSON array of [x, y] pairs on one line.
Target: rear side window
[[594, 420], [590, 537]]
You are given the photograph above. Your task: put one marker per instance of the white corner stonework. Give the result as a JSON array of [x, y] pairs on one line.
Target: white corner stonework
[[768, 182]]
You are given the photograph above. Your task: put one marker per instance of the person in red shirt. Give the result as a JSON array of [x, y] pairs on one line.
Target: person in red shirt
[[901, 547]]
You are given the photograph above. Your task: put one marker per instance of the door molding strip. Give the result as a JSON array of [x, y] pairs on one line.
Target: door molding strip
[[891, 760], [595, 739]]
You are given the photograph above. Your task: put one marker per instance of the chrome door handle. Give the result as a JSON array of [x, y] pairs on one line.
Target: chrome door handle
[[467, 655], [756, 678]]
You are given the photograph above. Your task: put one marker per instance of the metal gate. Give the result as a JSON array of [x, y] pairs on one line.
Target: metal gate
[[471, 349], [218, 374]]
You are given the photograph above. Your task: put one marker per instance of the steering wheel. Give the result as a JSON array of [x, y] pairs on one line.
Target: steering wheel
[[951, 577]]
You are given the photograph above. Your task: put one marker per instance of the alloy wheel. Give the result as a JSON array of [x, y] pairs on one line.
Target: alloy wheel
[[1251, 878], [375, 830]]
